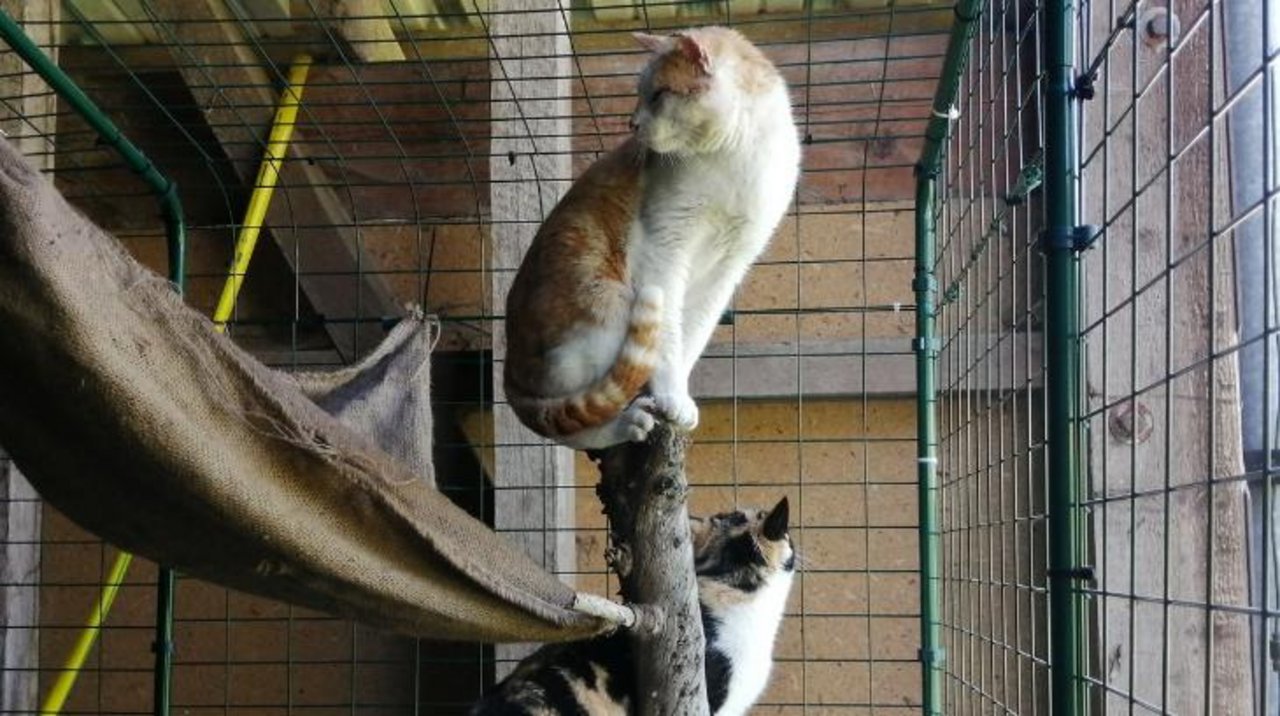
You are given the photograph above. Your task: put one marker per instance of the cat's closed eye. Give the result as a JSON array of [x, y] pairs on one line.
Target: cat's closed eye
[[657, 95]]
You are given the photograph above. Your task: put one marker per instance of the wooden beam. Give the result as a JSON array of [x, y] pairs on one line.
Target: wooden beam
[[876, 367], [269, 11], [530, 169], [20, 512], [28, 116], [310, 220], [28, 107], [590, 36], [366, 27]]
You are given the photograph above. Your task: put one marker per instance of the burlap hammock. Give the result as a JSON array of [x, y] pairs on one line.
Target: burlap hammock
[[129, 414]]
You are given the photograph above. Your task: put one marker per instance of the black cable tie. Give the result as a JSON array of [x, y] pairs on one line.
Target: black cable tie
[[1084, 87], [1058, 238], [1074, 238], [1083, 573], [162, 647], [932, 657], [1087, 235], [920, 171], [925, 282]]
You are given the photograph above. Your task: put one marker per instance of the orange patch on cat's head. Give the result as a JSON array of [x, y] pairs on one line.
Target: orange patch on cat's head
[[682, 65], [697, 88], [687, 59]]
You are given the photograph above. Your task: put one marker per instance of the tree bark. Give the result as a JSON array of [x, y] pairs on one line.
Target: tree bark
[[643, 488]]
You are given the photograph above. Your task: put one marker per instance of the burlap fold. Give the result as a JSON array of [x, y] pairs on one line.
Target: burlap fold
[[385, 397], [129, 414]]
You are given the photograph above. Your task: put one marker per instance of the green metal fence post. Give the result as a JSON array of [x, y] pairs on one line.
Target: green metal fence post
[[175, 230], [166, 191], [926, 350], [1062, 364], [932, 653], [162, 683]]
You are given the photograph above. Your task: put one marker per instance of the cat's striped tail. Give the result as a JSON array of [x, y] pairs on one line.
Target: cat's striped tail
[[606, 398]]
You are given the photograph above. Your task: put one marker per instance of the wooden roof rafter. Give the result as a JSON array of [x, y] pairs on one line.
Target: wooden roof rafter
[[308, 218], [394, 30]]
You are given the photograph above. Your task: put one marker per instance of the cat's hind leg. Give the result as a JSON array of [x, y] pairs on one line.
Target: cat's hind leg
[[631, 426]]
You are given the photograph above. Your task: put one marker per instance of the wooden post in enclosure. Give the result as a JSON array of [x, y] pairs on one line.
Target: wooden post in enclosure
[[30, 122], [643, 488], [529, 170]]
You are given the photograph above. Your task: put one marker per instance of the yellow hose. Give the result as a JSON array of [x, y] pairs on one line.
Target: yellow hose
[[268, 175], [264, 187], [57, 697]]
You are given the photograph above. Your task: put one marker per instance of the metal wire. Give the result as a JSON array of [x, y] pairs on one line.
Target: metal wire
[[807, 391], [1179, 408], [990, 407], [1163, 597]]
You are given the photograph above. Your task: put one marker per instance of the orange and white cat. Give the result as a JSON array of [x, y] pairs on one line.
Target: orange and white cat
[[629, 274]]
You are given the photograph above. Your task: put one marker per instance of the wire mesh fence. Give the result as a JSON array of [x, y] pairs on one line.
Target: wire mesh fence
[[1106, 366], [430, 140], [990, 406], [1177, 157]]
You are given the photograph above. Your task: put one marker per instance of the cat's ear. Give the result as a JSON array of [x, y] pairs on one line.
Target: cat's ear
[[775, 525], [652, 43], [694, 51]]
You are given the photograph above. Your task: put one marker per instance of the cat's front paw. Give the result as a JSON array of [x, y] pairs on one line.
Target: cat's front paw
[[679, 408], [637, 421]]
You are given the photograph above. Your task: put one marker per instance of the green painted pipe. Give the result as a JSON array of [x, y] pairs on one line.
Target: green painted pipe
[[162, 683], [932, 653], [1062, 360], [176, 232], [166, 191], [953, 66], [926, 349]]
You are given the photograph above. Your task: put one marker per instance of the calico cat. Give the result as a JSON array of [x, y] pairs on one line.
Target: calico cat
[[745, 563], [628, 276]]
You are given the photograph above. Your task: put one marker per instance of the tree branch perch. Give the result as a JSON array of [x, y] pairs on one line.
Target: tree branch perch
[[643, 489]]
